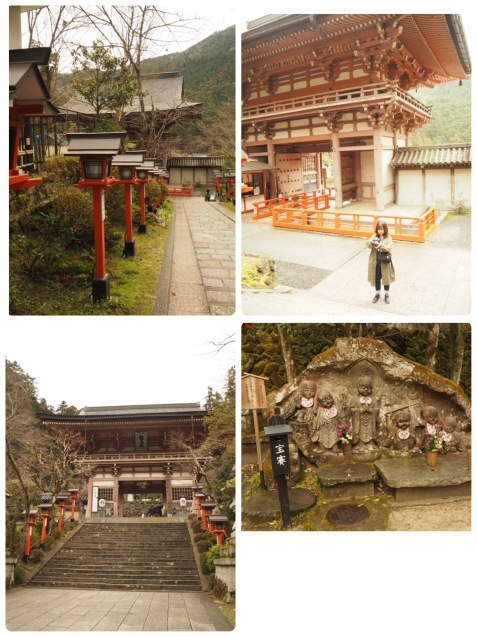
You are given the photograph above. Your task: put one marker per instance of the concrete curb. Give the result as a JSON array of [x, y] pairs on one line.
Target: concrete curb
[[163, 292]]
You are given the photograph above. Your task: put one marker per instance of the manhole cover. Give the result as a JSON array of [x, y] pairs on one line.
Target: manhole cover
[[347, 514]]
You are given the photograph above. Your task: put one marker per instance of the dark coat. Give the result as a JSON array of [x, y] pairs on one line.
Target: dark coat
[[388, 274]]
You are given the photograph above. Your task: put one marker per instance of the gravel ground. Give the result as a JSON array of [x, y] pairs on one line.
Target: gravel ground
[[445, 516]]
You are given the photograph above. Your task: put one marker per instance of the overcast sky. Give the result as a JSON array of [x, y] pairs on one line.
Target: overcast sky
[[93, 361]]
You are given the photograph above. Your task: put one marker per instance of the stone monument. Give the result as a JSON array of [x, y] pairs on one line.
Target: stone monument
[[361, 401]]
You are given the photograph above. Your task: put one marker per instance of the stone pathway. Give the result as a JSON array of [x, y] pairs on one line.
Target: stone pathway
[[48, 609], [200, 276]]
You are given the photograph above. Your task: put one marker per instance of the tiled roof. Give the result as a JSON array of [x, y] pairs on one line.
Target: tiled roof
[[446, 155], [197, 161]]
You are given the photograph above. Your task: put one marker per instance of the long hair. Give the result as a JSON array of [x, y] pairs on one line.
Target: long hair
[[384, 226]]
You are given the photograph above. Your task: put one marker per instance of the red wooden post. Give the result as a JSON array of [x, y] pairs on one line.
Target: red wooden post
[[60, 519], [99, 244], [31, 524], [73, 497]]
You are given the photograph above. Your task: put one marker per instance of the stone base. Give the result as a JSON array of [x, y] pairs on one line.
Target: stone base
[[265, 506], [101, 288], [348, 490], [129, 248], [347, 479], [411, 479]]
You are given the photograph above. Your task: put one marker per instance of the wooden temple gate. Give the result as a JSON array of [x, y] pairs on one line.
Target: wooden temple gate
[[137, 450], [339, 84]]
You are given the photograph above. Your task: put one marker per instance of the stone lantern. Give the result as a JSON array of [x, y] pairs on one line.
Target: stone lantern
[[126, 164], [96, 152]]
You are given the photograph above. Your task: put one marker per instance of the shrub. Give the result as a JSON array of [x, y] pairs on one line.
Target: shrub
[[204, 545], [219, 588], [202, 536], [196, 526], [20, 574], [66, 170], [37, 555], [212, 554]]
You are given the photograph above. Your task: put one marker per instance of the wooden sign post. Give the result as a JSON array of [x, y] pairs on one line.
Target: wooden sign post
[[254, 397]]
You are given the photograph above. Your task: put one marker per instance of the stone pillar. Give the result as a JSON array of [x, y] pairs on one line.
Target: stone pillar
[[169, 506], [378, 168], [335, 142]]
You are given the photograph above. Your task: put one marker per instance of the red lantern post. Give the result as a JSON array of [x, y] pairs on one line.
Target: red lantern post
[[74, 493], [96, 151], [142, 178], [46, 515], [31, 524], [217, 527], [199, 498], [205, 510], [126, 164]]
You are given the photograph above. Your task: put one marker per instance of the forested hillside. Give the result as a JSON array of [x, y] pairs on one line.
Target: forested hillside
[[451, 114], [209, 77]]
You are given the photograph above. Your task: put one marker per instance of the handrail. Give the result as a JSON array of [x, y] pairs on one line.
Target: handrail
[[336, 99]]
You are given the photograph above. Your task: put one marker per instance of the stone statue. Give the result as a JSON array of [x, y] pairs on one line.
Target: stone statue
[[453, 439], [329, 415], [428, 426], [305, 402], [403, 438], [364, 410]]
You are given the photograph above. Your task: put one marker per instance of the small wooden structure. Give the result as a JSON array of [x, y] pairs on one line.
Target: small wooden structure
[[28, 97]]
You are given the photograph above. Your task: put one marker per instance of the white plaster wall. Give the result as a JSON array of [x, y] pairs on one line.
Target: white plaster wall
[[409, 188], [462, 185], [438, 188], [367, 166]]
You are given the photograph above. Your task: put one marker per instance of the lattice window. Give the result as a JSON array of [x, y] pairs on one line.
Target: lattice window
[[105, 494], [181, 492]]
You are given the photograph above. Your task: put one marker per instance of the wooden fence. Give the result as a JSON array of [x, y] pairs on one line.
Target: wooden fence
[[313, 214]]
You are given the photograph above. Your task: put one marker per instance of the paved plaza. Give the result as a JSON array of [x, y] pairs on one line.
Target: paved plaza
[[327, 274], [198, 273], [48, 609]]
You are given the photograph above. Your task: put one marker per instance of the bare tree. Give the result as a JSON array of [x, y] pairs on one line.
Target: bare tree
[[56, 460], [136, 30], [50, 26], [20, 418]]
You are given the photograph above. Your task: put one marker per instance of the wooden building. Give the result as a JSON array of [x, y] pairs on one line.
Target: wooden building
[[340, 84], [140, 449], [195, 170]]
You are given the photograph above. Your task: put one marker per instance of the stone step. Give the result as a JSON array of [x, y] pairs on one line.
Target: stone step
[[124, 557], [113, 577], [115, 586]]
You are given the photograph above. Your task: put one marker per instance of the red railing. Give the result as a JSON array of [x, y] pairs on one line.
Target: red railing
[[265, 208], [316, 217], [179, 191]]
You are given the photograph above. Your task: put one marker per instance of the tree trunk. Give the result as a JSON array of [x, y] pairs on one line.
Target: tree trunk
[[457, 346], [287, 353], [432, 345]]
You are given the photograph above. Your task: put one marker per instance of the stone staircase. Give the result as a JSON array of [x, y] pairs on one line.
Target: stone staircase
[[134, 555]]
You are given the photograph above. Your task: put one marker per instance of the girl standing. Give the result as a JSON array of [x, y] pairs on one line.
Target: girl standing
[[380, 265]]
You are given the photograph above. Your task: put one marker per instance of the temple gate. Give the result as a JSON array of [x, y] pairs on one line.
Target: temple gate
[[340, 84], [140, 449]]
